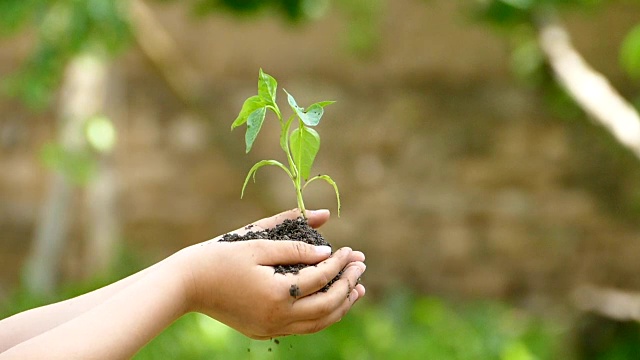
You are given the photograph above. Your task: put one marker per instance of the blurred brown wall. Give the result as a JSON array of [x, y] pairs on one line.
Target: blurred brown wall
[[455, 178]]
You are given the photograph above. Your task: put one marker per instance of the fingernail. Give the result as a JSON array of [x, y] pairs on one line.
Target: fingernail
[[316, 212], [353, 295], [323, 249]]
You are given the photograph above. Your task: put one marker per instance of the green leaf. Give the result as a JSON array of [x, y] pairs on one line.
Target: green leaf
[[323, 103], [313, 114], [250, 105], [329, 180], [305, 143], [267, 87], [257, 166], [630, 53], [254, 124]]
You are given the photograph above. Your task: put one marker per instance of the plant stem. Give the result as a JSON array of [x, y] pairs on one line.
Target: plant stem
[[295, 173], [299, 198]]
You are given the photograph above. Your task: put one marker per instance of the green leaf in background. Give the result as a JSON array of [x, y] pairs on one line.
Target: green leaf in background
[[257, 166], [313, 114], [305, 143], [517, 351], [254, 124], [267, 87], [16, 14], [519, 4], [527, 59], [250, 105], [630, 53], [76, 165], [61, 30], [502, 13]]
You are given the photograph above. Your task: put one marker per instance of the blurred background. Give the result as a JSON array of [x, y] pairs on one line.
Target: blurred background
[[487, 154]]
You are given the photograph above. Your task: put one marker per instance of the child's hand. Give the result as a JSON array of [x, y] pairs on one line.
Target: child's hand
[[235, 283]]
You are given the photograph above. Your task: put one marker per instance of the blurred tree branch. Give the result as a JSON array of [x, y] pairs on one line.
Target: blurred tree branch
[[82, 96], [162, 51], [610, 303], [589, 89]]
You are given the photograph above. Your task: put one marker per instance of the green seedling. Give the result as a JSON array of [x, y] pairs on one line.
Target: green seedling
[[300, 145]]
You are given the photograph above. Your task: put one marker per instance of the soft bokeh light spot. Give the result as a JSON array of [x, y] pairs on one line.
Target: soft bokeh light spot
[[101, 134]]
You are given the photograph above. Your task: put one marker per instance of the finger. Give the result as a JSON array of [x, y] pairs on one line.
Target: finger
[[270, 253], [315, 325], [266, 223], [317, 218], [312, 279], [272, 221], [357, 256], [320, 305]]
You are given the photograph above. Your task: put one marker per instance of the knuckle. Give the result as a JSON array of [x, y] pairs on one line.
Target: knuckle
[[276, 296], [322, 280], [300, 248], [325, 308]]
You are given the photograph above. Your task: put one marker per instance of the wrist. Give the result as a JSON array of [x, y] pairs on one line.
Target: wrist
[[180, 276], [184, 267]]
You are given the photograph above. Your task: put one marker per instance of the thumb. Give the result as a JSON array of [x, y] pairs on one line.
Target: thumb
[[290, 252]]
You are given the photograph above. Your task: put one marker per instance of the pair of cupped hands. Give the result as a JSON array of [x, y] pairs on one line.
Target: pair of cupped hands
[[235, 283]]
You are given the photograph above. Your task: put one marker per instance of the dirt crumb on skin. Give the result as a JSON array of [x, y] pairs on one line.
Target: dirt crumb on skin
[[294, 291], [296, 230]]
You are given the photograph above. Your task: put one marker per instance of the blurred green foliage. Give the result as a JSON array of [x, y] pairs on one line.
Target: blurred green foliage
[[292, 9], [600, 338], [404, 327], [364, 25], [78, 166], [401, 326], [518, 21], [63, 28], [516, 12], [630, 53]]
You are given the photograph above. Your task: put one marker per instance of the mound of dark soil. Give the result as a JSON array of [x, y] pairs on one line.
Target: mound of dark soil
[[296, 230]]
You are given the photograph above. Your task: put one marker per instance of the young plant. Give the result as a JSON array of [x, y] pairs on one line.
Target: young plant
[[300, 145]]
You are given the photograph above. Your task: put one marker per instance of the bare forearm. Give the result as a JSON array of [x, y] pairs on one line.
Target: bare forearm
[[118, 327], [27, 324]]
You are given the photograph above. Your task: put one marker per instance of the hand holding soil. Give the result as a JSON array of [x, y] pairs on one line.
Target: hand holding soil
[[235, 282]]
